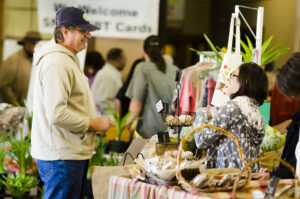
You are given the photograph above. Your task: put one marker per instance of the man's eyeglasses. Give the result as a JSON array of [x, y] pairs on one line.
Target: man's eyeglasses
[[233, 75], [82, 31]]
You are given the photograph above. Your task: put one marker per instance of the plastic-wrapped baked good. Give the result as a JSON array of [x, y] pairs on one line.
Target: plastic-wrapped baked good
[[200, 180], [182, 120]]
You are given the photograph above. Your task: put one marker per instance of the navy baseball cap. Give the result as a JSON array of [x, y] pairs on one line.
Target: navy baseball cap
[[71, 16]]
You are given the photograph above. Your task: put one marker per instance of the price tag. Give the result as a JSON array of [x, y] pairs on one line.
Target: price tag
[[272, 187], [159, 106]]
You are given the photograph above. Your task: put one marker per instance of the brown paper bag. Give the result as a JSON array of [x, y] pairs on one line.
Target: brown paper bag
[[100, 179]]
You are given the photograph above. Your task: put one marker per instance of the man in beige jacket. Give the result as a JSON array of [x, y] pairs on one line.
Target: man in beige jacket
[[64, 117], [15, 71]]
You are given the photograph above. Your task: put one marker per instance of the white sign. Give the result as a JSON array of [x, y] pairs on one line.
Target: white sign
[[134, 19]]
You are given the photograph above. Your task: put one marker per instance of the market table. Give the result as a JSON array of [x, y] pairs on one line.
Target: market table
[[122, 187]]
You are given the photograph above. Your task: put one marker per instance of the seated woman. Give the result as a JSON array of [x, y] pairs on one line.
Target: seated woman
[[240, 115]]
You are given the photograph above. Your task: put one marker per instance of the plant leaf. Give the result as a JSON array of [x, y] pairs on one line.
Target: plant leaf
[[273, 48], [212, 46], [273, 56], [276, 52], [112, 114], [214, 58], [266, 44], [218, 48], [248, 54], [250, 45]]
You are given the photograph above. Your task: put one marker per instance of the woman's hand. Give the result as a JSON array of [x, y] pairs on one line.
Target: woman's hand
[[264, 174], [209, 112]]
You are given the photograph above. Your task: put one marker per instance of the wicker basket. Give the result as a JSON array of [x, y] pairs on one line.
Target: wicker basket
[[191, 188], [297, 184]]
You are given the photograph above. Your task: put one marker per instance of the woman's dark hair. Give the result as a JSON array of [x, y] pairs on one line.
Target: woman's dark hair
[[253, 83], [288, 76], [153, 49], [95, 59]]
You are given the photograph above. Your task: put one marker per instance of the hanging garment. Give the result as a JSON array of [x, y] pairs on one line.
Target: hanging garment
[[191, 87]]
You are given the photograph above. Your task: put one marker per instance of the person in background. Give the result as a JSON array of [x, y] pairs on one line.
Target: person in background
[[153, 80], [64, 122], [248, 89], [271, 74], [122, 101], [16, 69], [93, 62], [108, 80], [288, 82]]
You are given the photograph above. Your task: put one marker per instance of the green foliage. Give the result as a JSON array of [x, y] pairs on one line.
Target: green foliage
[[42, 191], [120, 122], [2, 185], [20, 184], [218, 58], [2, 156], [2, 167], [267, 55], [20, 152], [28, 115], [99, 158]]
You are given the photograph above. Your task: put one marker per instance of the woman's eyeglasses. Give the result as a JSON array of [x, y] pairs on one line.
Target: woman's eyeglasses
[[233, 75]]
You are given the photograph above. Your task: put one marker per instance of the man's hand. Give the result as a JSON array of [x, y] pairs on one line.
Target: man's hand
[[101, 124]]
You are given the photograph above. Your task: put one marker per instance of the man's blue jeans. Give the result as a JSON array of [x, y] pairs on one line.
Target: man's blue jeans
[[63, 178]]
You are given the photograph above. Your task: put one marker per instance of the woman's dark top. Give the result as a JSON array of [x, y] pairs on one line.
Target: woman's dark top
[[289, 149], [125, 101]]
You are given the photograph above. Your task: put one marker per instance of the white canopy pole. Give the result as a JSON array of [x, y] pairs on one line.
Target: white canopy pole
[[259, 30], [237, 24]]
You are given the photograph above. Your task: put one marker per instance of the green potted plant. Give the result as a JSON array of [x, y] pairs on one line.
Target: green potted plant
[[268, 55], [98, 156], [2, 172], [20, 154], [20, 184], [120, 123], [28, 115], [21, 162]]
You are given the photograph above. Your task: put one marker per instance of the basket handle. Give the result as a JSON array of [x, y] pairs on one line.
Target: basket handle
[[297, 184], [222, 131]]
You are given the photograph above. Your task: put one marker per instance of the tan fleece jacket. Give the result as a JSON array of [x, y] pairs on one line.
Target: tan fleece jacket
[[62, 106]]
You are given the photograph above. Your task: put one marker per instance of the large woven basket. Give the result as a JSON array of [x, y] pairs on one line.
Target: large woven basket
[[186, 185], [297, 184]]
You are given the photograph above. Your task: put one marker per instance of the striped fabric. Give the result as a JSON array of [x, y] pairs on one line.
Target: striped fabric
[[125, 188]]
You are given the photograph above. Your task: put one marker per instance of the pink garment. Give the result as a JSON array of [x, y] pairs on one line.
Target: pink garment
[[191, 88], [185, 99], [211, 85]]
